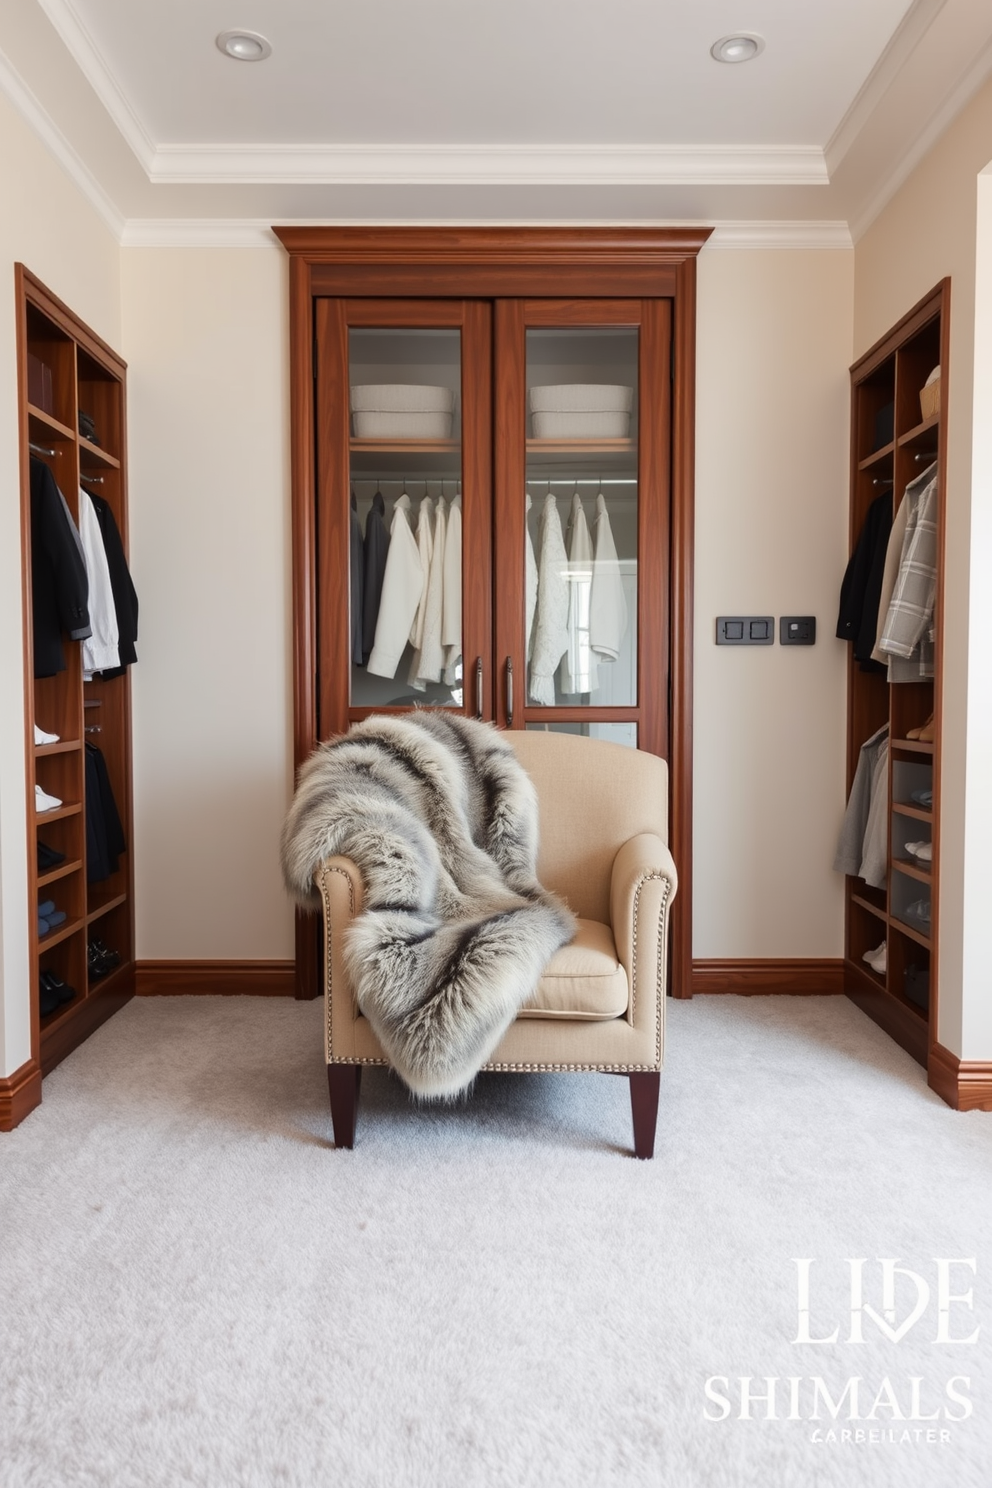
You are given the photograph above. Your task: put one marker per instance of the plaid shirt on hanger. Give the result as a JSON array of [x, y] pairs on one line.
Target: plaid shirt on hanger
[[908, 631]]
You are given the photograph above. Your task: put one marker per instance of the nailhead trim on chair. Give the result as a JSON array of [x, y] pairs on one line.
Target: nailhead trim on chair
[[511, 1068]]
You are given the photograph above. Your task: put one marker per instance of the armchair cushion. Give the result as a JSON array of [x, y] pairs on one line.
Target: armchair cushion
[[584, 979]]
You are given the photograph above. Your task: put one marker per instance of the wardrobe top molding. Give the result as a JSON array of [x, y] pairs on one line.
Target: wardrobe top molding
[[490, 263]]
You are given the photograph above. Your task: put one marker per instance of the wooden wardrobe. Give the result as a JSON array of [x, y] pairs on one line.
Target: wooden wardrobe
[[490, 322]]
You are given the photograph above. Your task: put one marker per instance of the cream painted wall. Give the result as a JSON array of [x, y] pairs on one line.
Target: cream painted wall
[[774, 346], [928, 231], [206, 335], [48, 225]]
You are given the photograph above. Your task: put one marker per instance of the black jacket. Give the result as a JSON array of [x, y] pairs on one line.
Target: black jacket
[[125, 597], [861, 590], [59, 589]]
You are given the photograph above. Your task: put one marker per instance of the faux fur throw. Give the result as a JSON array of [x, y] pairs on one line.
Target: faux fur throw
[[456, 931]]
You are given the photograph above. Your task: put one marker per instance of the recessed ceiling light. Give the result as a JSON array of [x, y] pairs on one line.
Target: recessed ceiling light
[[244, 46], [739, 48]]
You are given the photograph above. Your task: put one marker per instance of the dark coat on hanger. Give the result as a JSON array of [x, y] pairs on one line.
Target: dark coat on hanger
[[861, 590], [59, 588], [357, 581], [376, 549], [105, 839], [125, 597]]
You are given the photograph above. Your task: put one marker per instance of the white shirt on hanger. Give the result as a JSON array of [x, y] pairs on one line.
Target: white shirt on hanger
[[578, 667], [402, 586], [607, 605], [551, 626], [100, 649]]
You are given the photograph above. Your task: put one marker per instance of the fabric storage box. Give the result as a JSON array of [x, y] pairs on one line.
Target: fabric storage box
[[930, 397], [402, 411], [581, 410]]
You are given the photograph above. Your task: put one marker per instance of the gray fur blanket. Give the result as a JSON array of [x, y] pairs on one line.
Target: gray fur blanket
[[455, 931]]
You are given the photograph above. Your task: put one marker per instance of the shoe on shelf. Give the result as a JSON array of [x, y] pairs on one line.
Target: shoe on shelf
[[48, 999], [44, 802], [921, 850], [101, 961], [40, 737], [876, 959], [56, 988], [918, 912], [48, 858], [922, 798], [918, 733]]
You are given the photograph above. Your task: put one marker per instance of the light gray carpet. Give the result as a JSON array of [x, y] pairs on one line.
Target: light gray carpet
[[195, 1288]]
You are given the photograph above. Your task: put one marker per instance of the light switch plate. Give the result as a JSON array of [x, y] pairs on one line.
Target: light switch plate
[[745, 630], [797, 630]]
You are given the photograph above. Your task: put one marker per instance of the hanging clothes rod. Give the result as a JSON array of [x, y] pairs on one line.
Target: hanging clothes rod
[[92, 480], [570, 481], [39, 449], [929, 459]]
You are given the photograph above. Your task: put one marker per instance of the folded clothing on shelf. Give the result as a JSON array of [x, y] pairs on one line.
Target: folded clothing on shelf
[[49, 918]]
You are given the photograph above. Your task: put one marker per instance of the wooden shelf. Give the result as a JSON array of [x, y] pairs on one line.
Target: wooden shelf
[[41, 422], [914, 435], [62, 811], [910, 808], [880, 914], [913, 746], [912, 869], [877, 457], [62, 871], [403, 446], [93, 455], [905, 928], [64, 746], [104, 907], [55, 937], [580, 446]]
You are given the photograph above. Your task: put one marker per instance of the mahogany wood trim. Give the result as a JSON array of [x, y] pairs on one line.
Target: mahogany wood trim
[[583, 312], [418, 314], [509, 460], [655, 596], [943, 297], [488, 247], [681, 603], [301, 372], [966, 1085], [333, 606], [911, 322], [477, 505], [806, 977], [19, 1094], [215, 978], [57, 310]]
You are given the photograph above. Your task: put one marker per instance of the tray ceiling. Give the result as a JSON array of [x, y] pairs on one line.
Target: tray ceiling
[[499, 109]]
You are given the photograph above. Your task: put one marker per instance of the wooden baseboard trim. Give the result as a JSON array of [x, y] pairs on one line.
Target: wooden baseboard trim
[[965, 1084], [215, 979], [19, 1094], [779, 977]]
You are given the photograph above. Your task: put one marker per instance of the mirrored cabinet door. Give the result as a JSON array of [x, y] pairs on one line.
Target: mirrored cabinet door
[[582, 479], [404, 389]]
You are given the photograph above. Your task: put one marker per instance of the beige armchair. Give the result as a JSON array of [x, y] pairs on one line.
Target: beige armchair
[[601, 1003]]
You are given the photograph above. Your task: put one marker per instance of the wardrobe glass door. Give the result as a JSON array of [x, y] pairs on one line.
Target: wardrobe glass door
[[582, 461], [403, 392]]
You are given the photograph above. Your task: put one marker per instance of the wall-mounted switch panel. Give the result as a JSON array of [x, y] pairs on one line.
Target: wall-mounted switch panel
[[797, 630], [745, 630]]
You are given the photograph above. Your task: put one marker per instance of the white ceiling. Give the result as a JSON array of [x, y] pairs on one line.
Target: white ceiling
[[490, 109]]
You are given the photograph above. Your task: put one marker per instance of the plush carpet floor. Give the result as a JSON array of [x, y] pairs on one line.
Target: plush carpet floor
[[196, 1289]]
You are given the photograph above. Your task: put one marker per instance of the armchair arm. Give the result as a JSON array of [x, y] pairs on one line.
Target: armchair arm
[[342, 893], [643, 885]]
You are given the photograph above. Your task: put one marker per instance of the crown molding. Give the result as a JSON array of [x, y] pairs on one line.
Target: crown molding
[[17, 92], [89, 60], [904, 41], [791, 235], [956, 100], [466, 165], [257, 232]]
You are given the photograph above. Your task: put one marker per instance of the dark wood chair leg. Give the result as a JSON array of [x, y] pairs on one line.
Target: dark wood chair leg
[[344, 1082], [644, 1088]]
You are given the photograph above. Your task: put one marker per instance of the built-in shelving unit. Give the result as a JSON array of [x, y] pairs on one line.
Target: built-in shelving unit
[[903, 1000], [73, 370]]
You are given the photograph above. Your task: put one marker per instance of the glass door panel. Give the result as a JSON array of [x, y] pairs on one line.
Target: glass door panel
[[405, 470], [581, 499]]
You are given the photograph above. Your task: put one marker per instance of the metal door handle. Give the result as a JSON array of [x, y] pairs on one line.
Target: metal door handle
[[509, 692], [478, 687]]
